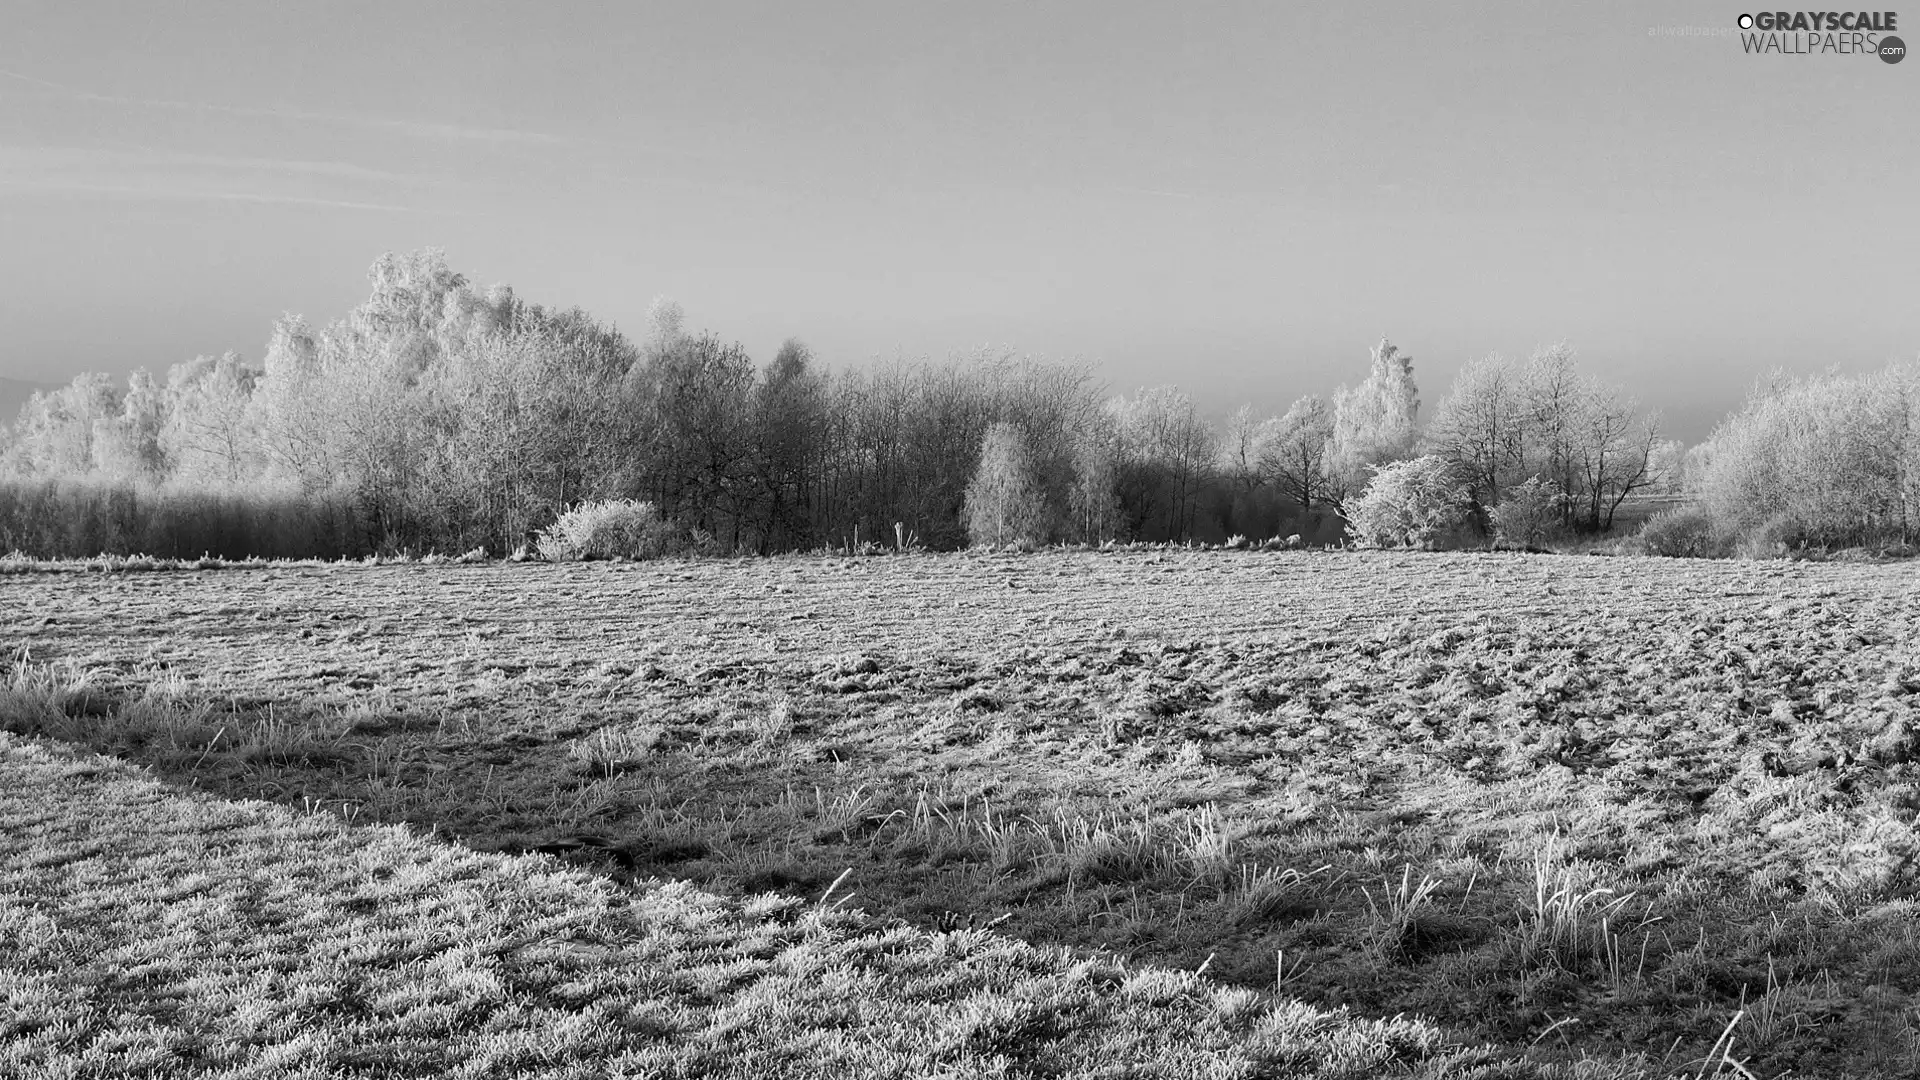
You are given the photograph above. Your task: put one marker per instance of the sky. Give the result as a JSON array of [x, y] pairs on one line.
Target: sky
[[1236, 198]]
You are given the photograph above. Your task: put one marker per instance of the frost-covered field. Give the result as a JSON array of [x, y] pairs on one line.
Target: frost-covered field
[[1577, 805]]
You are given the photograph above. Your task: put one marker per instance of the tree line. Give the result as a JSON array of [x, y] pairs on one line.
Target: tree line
[[441, 416], [438, 415]]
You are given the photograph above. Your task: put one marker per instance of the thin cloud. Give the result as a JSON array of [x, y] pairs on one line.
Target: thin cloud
[[141, 173], [37, 82], [1188, 195], [413, 128], [298, 200], [190, 195], [131, 157], [337, 170]]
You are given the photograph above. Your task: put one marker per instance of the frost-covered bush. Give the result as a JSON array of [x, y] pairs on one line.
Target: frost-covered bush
[[1773, 538], [602, 530], [1830, 460], [1529, 516], [1407, 504], [1687, 533]]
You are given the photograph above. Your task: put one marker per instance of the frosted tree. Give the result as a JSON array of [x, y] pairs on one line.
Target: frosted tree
[[356, 406], [1615, 446], [55, 433], [1243, 445], [1667, 464], [291, 406], [1501, 424], [1376, 422], [468, 315], [1480, 426], [1093, 508], [1163, 455], [1553, 397], [1005, 503], [207, 437], [127, 447], [407, 309], [1295, 456], [666, 323]]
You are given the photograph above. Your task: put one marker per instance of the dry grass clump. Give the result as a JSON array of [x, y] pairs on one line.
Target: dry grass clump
[[1261, 896], [1398, 914], [1569, 924]]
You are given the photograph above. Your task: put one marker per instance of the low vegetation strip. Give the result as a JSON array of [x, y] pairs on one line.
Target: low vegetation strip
[[150, 932]]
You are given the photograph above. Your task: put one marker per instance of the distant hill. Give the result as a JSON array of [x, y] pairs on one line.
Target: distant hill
[[14, 393]]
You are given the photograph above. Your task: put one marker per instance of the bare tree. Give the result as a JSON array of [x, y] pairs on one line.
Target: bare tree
[[1296, 455], [1615, 447], [698, 391], [1480, 427], [1502, 425], [787, 408], [1554, 397], [1164, 453], [1244, 442]]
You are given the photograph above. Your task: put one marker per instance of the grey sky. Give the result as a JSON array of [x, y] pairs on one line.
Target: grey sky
[[1236, 198]]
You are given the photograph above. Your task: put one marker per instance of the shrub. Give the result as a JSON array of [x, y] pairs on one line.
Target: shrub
[[1770, 539], [1686, 533], [624, 528], [1407, 504], [1828, 461], [1529, 516]]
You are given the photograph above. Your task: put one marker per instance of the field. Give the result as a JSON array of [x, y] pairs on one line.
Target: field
[[1581, 808]]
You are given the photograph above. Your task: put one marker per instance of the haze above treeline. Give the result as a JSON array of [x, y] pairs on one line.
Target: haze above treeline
[[1237, 199]]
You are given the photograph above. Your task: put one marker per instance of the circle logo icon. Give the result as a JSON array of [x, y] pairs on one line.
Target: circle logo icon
[[1746, 22], [1892, 50]]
